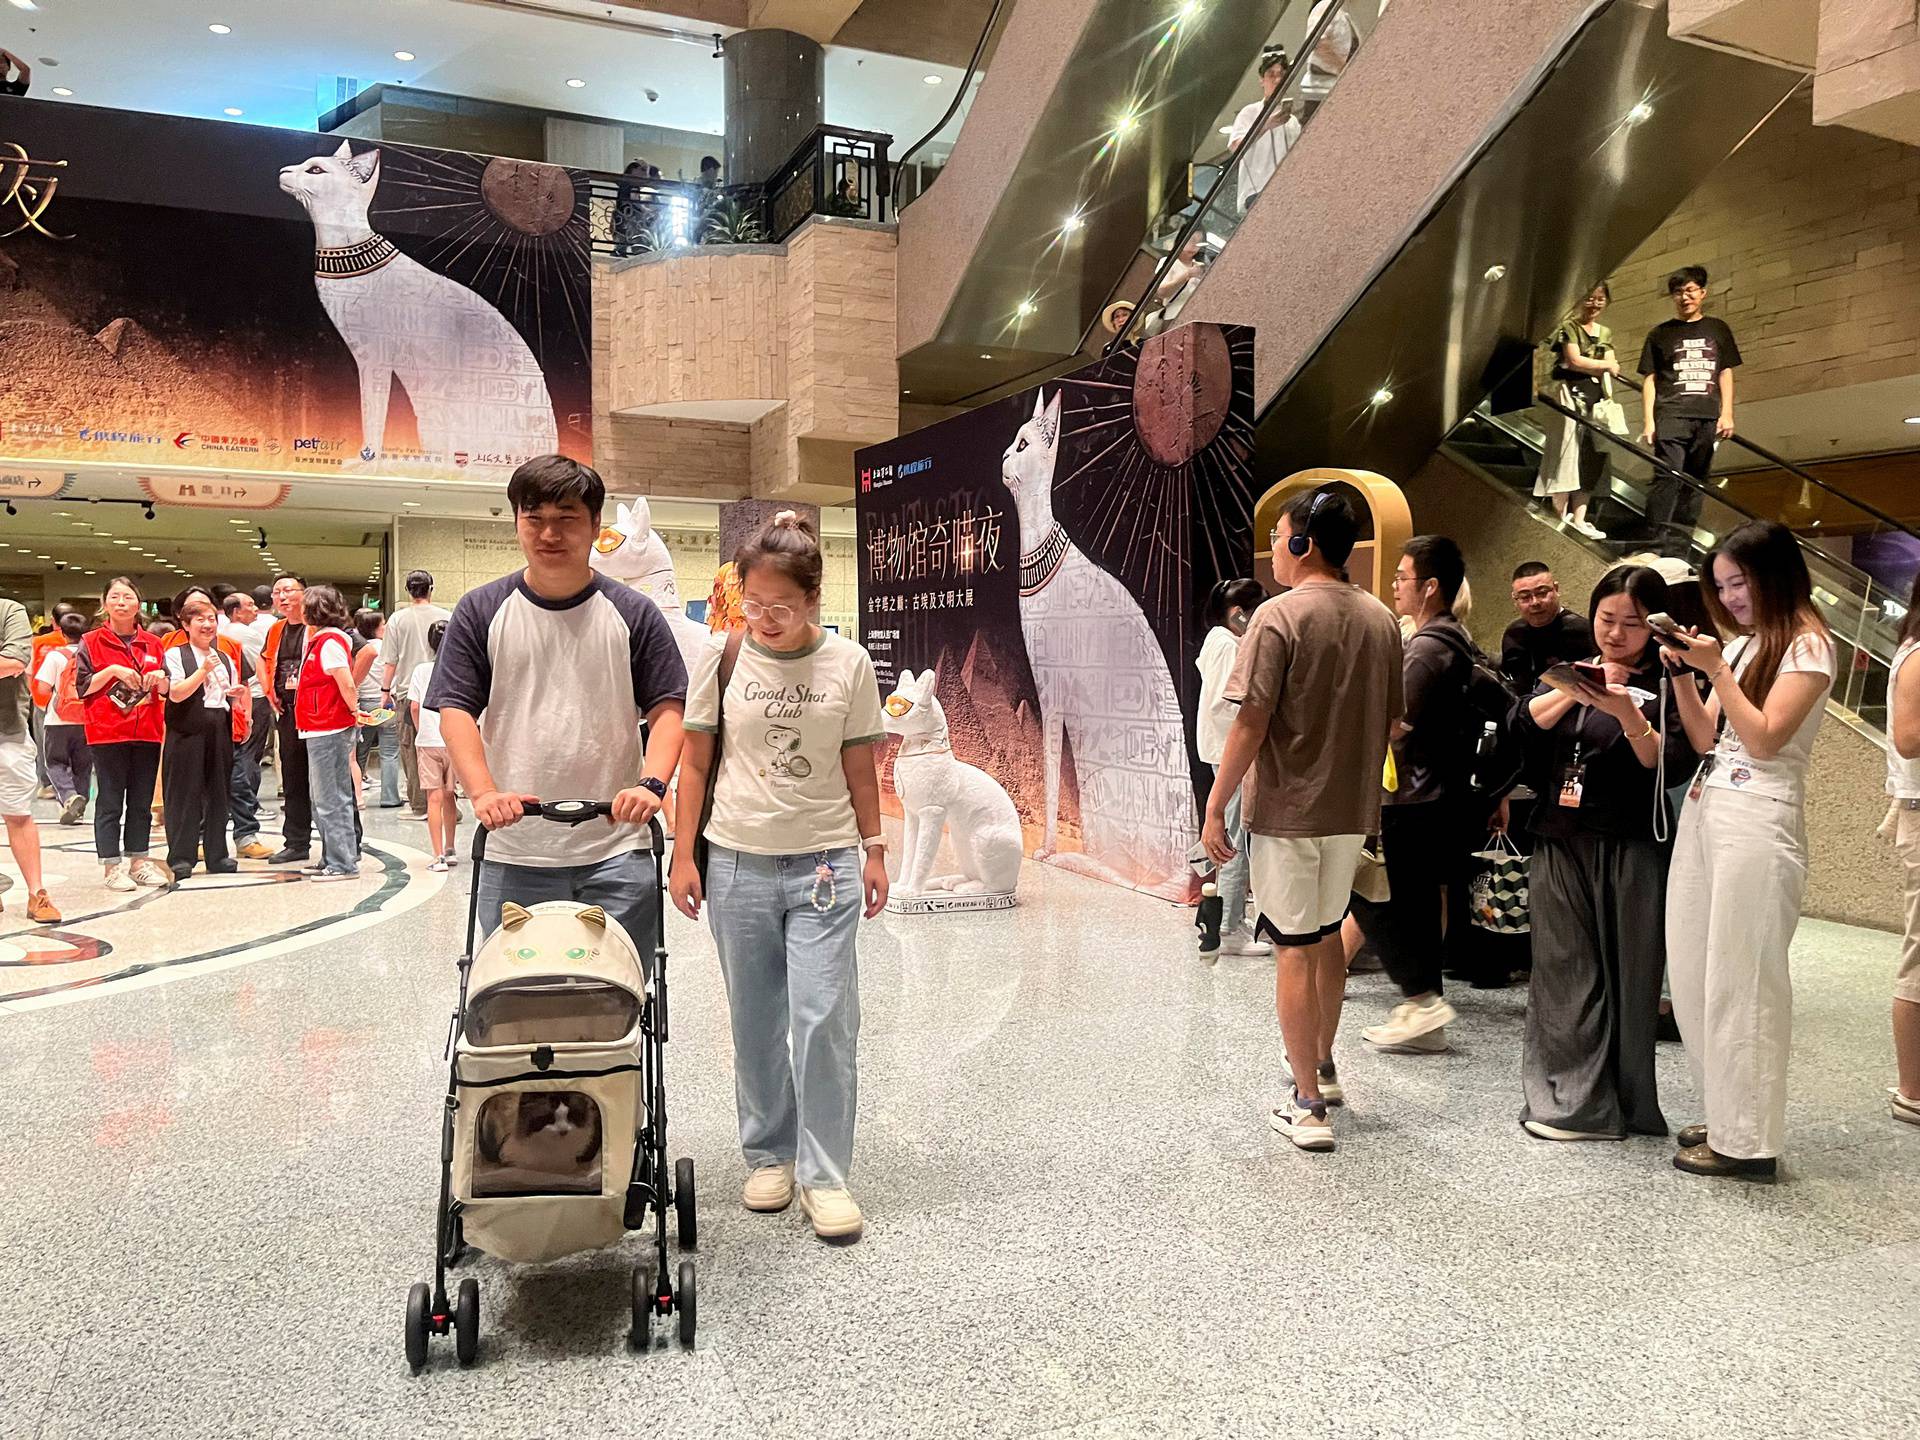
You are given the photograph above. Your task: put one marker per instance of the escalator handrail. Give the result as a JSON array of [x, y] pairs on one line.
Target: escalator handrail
[[1229, 170], [1712, 492], [1779, 462], [959, 98]]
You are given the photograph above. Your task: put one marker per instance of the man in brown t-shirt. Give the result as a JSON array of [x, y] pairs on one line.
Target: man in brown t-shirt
[[1319, 688]]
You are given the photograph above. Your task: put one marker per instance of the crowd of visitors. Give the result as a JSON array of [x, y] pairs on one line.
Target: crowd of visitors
[[1701, 695]]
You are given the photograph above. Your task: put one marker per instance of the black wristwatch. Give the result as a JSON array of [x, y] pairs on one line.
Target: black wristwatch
[[656, 788]]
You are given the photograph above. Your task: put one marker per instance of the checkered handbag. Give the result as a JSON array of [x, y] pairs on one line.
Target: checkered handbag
[[1497, 896]]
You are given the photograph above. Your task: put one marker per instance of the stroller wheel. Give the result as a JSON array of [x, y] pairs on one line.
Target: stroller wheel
[[466, 1321], [683, 1202], [642, 1335], [419, 1304], [683, 1302]]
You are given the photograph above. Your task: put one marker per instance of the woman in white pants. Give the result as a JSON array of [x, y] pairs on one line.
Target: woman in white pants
[[1903, 788], [1740, 857], [1229, 610]]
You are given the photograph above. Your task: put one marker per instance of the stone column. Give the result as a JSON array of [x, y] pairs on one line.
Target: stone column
[[740, 518], [776, 95]]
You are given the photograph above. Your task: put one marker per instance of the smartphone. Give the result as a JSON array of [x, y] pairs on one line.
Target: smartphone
[[1594, 675], [1666, 630], [1575, 680]]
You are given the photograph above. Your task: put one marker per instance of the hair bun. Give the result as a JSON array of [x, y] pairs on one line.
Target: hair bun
[[787, 517]]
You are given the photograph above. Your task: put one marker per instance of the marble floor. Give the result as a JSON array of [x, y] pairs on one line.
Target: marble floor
[[218, 1182]]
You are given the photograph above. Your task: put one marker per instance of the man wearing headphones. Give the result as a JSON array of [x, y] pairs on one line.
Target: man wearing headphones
[[1318, 683]]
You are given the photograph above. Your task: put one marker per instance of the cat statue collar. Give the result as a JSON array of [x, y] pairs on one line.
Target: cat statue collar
[[348, 261], [1039, 566]]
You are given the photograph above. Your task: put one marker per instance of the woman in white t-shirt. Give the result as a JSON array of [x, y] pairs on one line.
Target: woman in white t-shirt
[[795, 713], [1229, 609], [1740, 855], [1903, 785]]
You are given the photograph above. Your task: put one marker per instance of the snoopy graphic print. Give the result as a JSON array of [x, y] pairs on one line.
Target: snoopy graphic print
[[788, 718]]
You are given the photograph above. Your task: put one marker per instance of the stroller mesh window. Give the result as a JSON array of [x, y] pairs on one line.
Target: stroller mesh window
[[545, 1142], [551, 1010]]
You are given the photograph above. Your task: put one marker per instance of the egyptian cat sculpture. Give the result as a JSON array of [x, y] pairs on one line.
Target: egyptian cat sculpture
[[939, 793]]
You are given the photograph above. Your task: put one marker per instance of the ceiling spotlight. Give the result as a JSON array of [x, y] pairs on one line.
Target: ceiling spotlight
[[1382, 396], [24, 5], [576, 84], [10, 509], [930, 80], [62, 91], [1025, 308], [234, 110], [403, 55], [1126, 124], [150, 514], [221, 29], [1226, 130], [986, 357], [1072, 223], [1640, 114], [1493, 273]]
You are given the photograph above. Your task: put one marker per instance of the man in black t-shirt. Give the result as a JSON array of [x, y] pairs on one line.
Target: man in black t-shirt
[[16, 76], [1546, 633], [1688, 363]]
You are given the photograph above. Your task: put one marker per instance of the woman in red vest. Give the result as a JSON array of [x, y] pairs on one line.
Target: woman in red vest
[[121, 673], [324, 706]]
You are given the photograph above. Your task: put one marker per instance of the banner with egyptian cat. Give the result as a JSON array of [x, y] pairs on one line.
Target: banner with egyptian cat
[[1046, 558], [245, 299]]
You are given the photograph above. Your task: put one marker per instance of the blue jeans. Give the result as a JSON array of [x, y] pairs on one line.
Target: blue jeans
[[388, 736], [626, 887], [243, 800], [793, 988], [330, 790]]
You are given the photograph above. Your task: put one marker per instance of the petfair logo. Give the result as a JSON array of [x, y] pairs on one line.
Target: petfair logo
[[314, 445]]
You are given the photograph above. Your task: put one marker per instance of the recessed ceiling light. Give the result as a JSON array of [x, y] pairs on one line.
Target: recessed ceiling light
[[1913, 419], [576, 84], [1640, 114], [221, 29], [1072, 223], [930, 80], [1382, 396], [403, 55], [986, 357], [62, 91], [234, 110], [123, 542], [411, 504], [1226, 129], [906, 392], [1025, 308], [1493, 273], [24, 5]]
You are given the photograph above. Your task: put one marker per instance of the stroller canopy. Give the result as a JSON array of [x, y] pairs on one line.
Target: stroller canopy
[[556, 974]]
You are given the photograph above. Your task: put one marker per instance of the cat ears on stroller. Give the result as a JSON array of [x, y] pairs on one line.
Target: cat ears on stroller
[[513, 916]]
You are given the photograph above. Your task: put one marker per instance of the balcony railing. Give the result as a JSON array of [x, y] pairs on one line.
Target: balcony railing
[[836, 172]]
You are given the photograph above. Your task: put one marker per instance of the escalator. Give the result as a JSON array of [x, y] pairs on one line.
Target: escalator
[[1856, 554]]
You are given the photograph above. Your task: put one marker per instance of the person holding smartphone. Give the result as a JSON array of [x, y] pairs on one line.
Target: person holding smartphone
[[1593, 748], [1740, 856], [121, 669]]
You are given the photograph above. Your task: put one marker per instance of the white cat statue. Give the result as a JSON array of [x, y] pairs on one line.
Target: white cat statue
[[479, 395], [1104, 689], [942, 793], [631, 551]]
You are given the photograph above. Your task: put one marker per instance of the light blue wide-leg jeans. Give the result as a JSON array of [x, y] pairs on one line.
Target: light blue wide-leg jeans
[[793, 988]]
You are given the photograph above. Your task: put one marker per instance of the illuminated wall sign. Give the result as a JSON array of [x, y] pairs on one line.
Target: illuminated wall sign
[[213, 492], [34, 484]]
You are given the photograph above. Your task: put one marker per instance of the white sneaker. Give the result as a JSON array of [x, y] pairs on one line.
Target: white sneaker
[[769, 1188], [1411, 1024], [833, 1213], [118, 879], [1544, 1131], [1298, 1123], [1902, 1107], [1331, 1090], [440, 866], [151, 873], [451, 859], [1241, 942]]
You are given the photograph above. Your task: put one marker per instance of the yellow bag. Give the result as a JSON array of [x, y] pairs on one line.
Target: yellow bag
[[1390, 774]]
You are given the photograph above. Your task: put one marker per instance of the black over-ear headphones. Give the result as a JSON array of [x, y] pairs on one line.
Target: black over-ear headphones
[[1301, 540]]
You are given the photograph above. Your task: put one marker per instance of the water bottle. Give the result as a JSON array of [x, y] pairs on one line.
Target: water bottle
[[1483, 754]]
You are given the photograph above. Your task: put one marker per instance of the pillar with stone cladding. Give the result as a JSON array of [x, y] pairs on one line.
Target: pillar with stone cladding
[[740, 518], [776, 88]]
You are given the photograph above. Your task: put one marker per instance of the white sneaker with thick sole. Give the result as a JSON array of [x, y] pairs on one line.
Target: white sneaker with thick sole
[[1543, 1131], [118, 879], [1297, 1123], [833, 1213], [1410, 1023], [150, 873], [1331, 1090], [769, 1188], [1241, 942]]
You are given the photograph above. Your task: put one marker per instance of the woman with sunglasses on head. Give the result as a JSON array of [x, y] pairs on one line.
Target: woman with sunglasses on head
[[1740, 855], [1598, 880], [795, 859]]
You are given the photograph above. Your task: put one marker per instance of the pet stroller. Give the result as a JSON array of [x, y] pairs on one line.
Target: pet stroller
[[554, 1135]]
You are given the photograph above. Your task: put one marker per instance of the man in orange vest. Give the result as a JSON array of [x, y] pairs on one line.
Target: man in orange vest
[[43, 646], [279, 675]]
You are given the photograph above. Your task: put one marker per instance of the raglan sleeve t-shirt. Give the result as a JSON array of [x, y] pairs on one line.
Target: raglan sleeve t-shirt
[[559, 688], [787, 719]]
